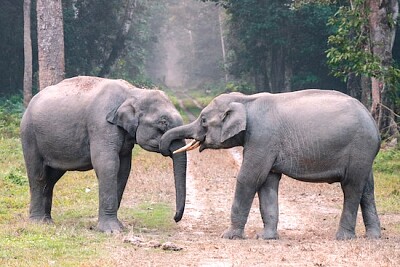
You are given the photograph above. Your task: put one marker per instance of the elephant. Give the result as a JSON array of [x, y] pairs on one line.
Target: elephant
[[85, 123], [310, 135]]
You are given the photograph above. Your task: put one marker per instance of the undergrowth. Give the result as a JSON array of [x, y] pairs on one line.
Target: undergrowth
[[387, 180]]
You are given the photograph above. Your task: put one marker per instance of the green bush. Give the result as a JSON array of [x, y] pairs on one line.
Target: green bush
[[11, 109], [387, 180]]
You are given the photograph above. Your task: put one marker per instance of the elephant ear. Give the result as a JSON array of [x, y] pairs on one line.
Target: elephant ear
[[124, 116], [233, 121]]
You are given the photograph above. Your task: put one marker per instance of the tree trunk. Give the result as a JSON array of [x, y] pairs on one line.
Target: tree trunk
[[119, 43], [366, 91], [277, 69], [50, 42], [221, 33], [27, 53], [382, 33], [354, 85]]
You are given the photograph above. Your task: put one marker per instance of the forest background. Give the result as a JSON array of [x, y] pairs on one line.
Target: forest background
[[216, 46]]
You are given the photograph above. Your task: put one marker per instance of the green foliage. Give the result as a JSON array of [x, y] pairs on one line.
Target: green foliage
[[242, 87], [387, 180], [388, 162], [10, 113], [350, 51], [271, 41], [91, 28]]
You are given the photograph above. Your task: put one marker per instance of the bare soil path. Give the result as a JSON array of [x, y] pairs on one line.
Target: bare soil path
[[309, 215]]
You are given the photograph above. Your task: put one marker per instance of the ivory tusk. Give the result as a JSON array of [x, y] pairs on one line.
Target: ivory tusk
[[192, 145]]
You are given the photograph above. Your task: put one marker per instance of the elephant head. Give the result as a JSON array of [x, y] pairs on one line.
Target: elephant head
[[146, 116], [220, 125]]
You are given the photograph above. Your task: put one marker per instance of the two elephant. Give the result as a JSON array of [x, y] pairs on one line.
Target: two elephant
[[312, 135]]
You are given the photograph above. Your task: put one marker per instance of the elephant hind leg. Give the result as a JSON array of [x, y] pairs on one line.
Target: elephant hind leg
[[352, 187], [368, 209], [268, 197], [352, 191], [41, 189]]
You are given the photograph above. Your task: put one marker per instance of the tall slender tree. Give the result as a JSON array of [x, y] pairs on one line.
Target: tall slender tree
[[50, 42], [27, 53], [382, 20]]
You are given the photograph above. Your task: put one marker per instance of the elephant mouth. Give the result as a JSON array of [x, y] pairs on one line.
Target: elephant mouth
[[190, 146], [150, 147]]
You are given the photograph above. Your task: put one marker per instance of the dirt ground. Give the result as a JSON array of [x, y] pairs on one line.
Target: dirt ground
[[309, 217]]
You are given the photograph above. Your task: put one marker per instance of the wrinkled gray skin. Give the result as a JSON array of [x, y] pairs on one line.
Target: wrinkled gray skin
[[310, 135], [88, 123]]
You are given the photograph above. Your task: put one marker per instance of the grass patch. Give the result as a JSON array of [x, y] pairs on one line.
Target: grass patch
[[49, 245], [387, 180], [154, 216]]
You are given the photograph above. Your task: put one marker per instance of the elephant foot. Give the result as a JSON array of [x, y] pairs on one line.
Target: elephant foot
[[110, 226], [268, 235], [233, 234], [374, 233], [343, 234], [41, 219]]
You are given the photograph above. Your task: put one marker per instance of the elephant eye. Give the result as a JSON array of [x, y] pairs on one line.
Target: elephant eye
[[203, 121], [163, 124]]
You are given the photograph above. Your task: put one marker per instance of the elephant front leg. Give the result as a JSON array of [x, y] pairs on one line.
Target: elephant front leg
[[268, 197], [107, 172], [244, 195], [123, 174]]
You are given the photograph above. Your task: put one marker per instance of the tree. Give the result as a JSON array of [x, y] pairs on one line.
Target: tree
[[27, 53], [382, 23], [277, 46], [362, 48], [11, 46], [50, 42], [119, 43]]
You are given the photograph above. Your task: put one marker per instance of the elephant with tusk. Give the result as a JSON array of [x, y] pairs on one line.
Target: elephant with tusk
[[309, 135]]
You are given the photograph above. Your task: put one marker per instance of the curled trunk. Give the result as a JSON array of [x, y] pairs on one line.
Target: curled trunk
[[177, 133]]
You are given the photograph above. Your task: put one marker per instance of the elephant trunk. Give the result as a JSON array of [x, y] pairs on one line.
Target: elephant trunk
[[179, 165], [177, 133]]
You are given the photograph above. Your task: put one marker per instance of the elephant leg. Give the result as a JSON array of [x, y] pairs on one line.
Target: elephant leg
[[268, 197], [250, 178], [368, 209], [244, 196], [123, 174], [352, 187], [42, 194], [106, 165]]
